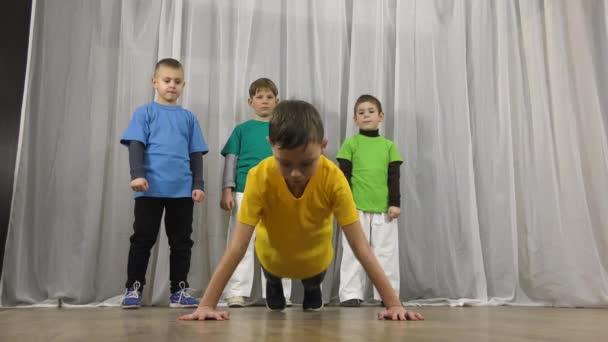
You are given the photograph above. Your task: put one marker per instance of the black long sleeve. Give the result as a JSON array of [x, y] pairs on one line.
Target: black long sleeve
[[347, 168], [136, 159], [394, 193], [196, 166]]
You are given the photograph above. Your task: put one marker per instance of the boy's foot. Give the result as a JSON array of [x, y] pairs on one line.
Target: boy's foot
[[288, 303], [236, 302], [132, 298], [275, 299], [351, 303], [313, 299], [182, 299]]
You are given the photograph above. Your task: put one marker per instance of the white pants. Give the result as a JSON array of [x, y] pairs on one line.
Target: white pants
[[241, 282], [383, 237]]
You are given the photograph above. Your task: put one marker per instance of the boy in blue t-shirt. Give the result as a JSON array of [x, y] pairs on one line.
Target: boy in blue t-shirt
[[166, 148]]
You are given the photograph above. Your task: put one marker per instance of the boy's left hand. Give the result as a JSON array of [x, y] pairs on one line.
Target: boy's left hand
[[394, 212], [198, 195], [398, 313]]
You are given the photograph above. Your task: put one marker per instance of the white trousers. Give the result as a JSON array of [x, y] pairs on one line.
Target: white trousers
[[241, 282], [383, 238]]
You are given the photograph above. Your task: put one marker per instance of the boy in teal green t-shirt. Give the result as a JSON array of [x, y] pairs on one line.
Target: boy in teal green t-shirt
[[246, 147], [371, 164]]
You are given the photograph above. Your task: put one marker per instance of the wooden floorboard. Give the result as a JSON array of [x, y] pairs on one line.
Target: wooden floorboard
[[331, 324]]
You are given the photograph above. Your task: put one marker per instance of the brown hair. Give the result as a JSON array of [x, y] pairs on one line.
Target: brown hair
[[295, 123], [262, 83], [367, 98], [168, 62]]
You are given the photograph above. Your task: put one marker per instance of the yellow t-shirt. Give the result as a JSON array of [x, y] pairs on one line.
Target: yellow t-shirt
[[294, 235]]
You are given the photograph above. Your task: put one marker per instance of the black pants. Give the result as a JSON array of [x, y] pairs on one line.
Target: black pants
[[178, 224], [308, 283]]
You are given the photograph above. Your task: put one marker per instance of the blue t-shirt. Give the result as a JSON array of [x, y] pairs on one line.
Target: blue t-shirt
[[170, 134]]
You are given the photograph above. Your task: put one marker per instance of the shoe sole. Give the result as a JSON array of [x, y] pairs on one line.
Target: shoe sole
[[276, 310], [314, 309], [236, 305], [177, 305], [130, 307], [350, 305]]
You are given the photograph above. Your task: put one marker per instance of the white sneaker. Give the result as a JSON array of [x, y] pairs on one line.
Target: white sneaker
[[288, 303], [236, 302]]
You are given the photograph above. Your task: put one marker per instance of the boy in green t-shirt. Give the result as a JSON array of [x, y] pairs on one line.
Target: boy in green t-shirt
[[371, 164], [245, 148]]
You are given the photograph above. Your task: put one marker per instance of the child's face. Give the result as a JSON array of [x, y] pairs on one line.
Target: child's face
[[367, 116], [299, 164], [169, 84], [263, 102]]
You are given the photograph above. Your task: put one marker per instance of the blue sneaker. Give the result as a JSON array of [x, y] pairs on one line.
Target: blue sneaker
[[132, 299], [182, 299]]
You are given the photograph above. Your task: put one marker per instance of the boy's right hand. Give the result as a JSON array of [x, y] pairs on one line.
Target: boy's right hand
[[139, 184], [227, 202], [399, 313], [204, 313]]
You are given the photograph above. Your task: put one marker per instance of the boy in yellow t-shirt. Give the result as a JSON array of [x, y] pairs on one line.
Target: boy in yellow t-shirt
[[291, 199]]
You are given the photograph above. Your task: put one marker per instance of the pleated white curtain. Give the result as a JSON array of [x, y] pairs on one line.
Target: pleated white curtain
[[496, 106]]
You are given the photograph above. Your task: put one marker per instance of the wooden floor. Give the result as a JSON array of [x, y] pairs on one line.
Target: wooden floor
[[332, 324]]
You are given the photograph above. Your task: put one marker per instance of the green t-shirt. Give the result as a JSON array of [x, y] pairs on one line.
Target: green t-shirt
[[248, 142], [370, 157]]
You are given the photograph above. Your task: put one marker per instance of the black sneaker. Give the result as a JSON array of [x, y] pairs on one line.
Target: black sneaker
[[275, 299], [313, 299], [351, 303]]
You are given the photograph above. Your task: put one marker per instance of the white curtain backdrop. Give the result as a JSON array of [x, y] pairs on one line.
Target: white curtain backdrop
[[498, 108]]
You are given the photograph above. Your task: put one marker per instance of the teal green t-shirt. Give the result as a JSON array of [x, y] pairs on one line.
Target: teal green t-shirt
[[248, 142], [370, 157]]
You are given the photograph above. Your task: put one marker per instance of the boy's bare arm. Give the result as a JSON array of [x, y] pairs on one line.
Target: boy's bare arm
[[230, 260], [360, 246]]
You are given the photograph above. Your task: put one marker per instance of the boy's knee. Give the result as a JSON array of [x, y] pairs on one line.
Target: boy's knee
[[181, 244], [143, 241]]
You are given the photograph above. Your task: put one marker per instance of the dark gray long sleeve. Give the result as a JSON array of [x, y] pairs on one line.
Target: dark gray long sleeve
[[229, 177], [136, 164], [196, 166], [394, 193], [136, 159], [347, 168]]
